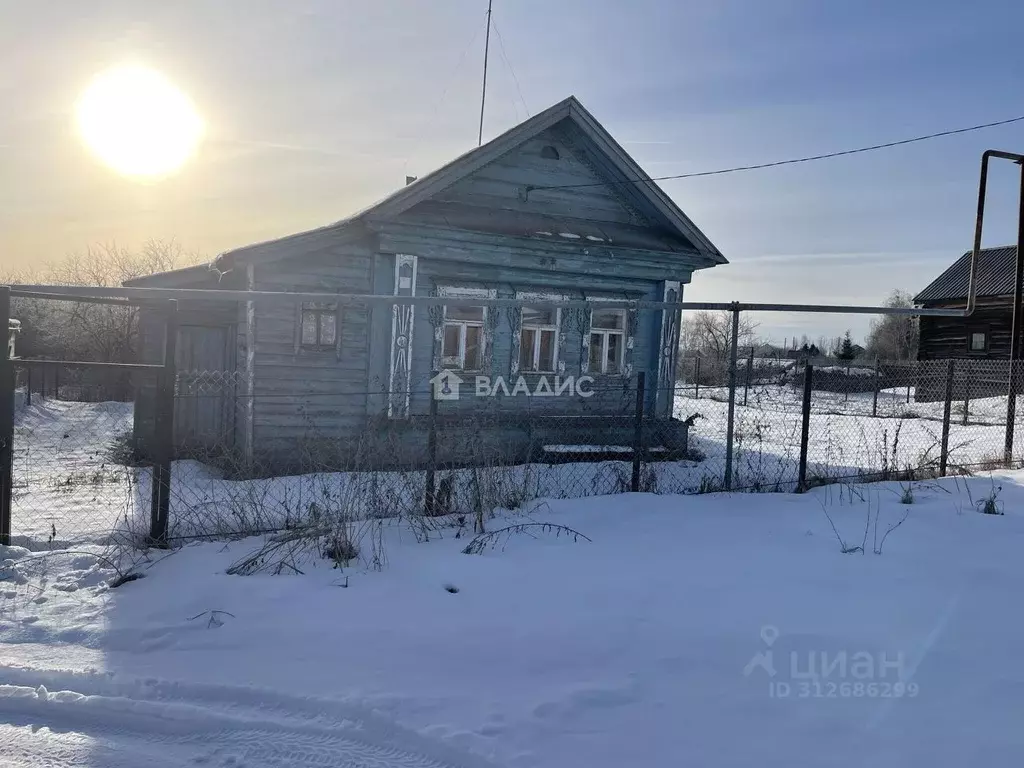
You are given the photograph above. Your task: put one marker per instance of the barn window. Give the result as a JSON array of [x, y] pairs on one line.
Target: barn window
[[462, 346], [978, 341], [318, 326], [607, 340], [548, 152]]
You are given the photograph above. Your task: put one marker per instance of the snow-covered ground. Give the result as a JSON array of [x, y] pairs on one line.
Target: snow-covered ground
[[684, 632], [846, 440], [66, 487]]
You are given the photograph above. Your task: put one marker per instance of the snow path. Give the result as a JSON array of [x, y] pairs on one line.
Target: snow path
[[68, 718]]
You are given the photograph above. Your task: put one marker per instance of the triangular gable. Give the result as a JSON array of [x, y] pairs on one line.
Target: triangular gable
[[552, 186], [606, 152]]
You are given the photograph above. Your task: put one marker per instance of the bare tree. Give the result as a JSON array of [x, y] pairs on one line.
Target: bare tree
[[894, 337], [709, 334], [78, 331]]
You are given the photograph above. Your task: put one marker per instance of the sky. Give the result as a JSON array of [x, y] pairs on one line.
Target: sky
[[316, 108]]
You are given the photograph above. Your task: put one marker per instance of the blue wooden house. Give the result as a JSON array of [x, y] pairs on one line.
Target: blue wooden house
[[554, 209]]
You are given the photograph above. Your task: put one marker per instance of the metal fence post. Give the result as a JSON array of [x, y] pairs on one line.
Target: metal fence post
[[696, 379], [805, 427], [6, 421], [163, 432], [638, 431], [946, 410], [732, 398], [28, 383], [874, 399], [1011, 410], [430, 495], [750, 372], [967, 393]]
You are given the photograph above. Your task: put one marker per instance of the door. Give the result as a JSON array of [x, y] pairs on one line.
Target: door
[[204, 397]]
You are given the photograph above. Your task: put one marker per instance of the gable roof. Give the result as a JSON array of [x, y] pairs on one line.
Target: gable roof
[[632, 175], [996, 269]]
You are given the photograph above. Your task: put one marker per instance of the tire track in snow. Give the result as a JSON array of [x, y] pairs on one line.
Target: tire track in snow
[[167, 723]]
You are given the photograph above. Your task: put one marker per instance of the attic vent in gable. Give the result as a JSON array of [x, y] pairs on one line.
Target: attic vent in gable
[[548, 152]]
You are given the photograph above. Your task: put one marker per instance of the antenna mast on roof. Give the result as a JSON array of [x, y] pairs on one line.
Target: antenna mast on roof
[[483, 93]]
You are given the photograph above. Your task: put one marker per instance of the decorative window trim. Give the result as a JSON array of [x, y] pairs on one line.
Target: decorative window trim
[[300, 309], [605, 333], [525, 297], [486, 325], [402, 318], [668, 348], [249, 412], [632, 318]]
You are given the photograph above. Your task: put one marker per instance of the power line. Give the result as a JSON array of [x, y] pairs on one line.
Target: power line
[[458, 66], [448, 84], [792, 161], [504, 56]]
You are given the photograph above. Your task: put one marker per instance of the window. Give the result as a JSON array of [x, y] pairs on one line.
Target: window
[[977, 341], [607, 340], [318, 326], [462, 346], [538, 341]]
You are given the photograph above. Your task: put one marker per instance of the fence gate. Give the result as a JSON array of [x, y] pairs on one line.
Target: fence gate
[[68, 473]]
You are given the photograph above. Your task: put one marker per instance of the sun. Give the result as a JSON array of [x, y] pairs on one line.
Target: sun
[[137, 122]]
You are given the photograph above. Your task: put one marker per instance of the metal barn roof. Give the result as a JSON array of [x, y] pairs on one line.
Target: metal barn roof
[[995, 276]]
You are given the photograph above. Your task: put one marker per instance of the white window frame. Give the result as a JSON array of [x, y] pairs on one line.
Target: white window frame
[[984, 341], [622, 333], [458, 363], [531, 296]]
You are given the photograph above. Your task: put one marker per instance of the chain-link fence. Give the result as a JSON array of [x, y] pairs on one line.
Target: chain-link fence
[[74, 476], [69, 472], [866, 421], [467, 452], [236, 427], [66, 382]]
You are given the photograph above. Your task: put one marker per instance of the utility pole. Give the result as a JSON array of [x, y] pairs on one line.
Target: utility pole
[[483, 93]]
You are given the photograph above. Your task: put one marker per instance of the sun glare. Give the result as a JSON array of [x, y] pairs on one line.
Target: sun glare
[[137, 122]]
